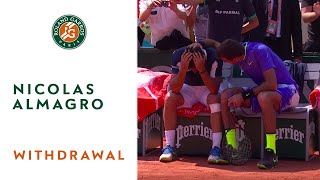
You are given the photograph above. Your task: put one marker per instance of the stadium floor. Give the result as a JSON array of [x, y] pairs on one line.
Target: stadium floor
[[188, 167]]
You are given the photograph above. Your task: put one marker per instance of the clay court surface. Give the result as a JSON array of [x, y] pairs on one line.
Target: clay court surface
[[188, 167]]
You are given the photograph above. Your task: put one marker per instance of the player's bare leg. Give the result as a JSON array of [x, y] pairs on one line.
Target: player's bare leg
[[215, 155], [269, 102], [228, 120], [172, 101]]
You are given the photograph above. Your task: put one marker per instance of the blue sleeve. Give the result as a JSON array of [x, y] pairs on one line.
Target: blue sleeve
[[264, 56], [248, 9], [176, 58]]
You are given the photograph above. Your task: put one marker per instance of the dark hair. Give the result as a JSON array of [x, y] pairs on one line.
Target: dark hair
[[230, 49], [194, 50]]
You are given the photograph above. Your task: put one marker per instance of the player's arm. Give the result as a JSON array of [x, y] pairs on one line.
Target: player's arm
[[270, 83], [211, 79], [211, 83], [308, 15], [176, 81], [179, 73]]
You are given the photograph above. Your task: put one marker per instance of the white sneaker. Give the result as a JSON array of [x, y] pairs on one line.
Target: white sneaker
[[168, 154]]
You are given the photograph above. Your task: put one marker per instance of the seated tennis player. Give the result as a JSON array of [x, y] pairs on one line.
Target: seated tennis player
[[275, 91], [196, 77]]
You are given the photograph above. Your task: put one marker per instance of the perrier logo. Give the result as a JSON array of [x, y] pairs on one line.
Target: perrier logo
[[69, 32]]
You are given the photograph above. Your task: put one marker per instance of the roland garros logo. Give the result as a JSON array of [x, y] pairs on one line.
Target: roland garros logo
[[69, 32]]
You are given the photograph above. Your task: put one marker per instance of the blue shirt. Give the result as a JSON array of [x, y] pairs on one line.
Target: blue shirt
[[260, 58]]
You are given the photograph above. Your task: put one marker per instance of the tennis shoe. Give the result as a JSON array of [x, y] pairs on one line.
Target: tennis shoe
[[168, 154], [269, 160], [230, 153], [215, 156]]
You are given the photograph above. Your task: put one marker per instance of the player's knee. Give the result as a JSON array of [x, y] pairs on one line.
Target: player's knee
[[213, 98], [213, 101], [264, 98], [171, 98], [225, 95]]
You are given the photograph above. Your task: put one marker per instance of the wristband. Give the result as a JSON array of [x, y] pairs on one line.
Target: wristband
[[247, 94]]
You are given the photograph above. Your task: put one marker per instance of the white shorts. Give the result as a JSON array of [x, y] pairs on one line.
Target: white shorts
[[194, 94], [293, 101]]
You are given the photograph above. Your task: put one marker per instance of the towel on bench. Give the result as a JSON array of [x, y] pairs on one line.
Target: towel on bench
[[193, 111], [314, 95], [152, 89]]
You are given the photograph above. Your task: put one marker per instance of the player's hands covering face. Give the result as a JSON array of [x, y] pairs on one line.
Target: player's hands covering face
[[186, 57], [199, 61]]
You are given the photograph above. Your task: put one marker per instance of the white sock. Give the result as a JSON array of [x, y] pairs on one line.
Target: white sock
[[216, 139], [170, 136]]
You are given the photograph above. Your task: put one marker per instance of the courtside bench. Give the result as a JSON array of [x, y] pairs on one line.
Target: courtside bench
[[297, 135], [297, 131]]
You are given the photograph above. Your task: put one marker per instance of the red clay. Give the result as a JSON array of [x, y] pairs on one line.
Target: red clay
[[197, 168]]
